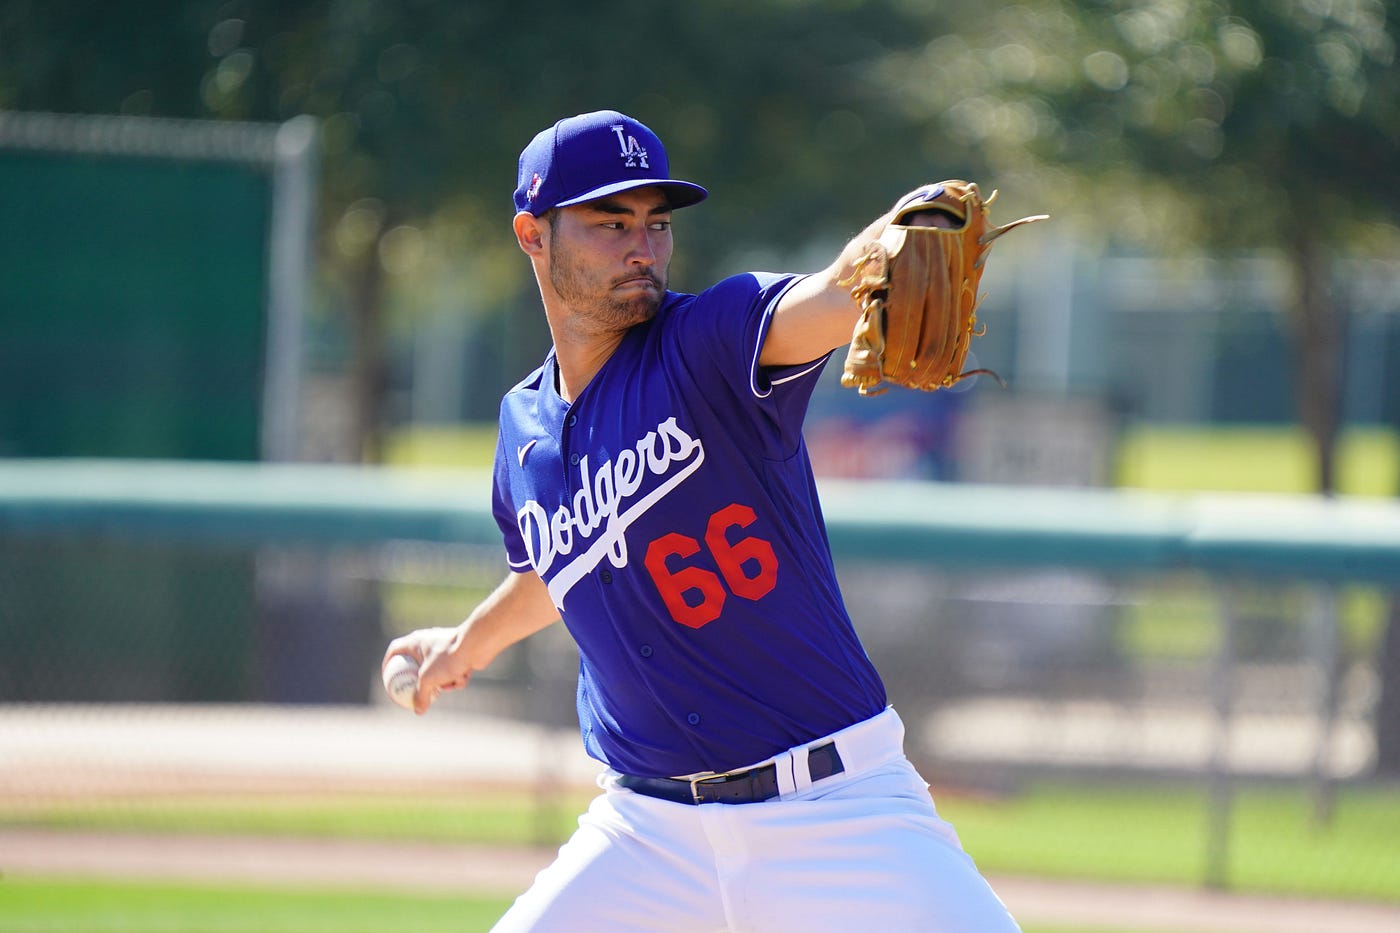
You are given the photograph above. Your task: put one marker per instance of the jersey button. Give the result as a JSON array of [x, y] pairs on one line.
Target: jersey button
[[645, 651], [605, 576], [573, 420], [573, 459], [693, 719]]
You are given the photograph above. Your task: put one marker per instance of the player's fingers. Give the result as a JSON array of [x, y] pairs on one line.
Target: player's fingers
[[439, 672], [428, 693], [424, 698], [419, 645], [456, 683], [406, 645], [440, 677]]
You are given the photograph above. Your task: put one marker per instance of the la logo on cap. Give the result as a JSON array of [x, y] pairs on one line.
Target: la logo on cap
[[595, 155], [633, 155]]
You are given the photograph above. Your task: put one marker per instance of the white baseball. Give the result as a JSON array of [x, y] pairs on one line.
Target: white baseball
[[401, 680]]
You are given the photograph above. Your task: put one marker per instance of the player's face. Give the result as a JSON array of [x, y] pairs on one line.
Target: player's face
[[608, 258]]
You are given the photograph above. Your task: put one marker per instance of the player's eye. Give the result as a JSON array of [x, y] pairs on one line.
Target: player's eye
[[661, 225]]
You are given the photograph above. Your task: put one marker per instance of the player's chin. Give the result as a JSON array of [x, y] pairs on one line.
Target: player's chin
[[636, 308]]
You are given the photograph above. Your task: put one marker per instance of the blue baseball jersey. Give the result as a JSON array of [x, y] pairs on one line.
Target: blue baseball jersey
[[672, 512]]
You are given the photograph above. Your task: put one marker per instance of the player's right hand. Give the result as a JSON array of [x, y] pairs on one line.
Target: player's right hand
[[440, 666]]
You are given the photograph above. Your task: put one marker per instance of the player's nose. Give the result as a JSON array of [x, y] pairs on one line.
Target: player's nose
[[651, 242], [641, 250]]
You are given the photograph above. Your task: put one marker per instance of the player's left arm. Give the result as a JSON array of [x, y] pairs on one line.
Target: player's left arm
[[817, 314]]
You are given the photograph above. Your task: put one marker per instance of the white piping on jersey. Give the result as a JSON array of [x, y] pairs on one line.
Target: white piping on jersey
[[817, 365], [768, 313], [599, 499]]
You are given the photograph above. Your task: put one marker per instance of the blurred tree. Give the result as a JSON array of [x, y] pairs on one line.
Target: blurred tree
[[1220, 125], [425, 105], [1225, 124]]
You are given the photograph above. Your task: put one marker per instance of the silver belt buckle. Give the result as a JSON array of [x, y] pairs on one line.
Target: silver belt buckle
[[695, 782]]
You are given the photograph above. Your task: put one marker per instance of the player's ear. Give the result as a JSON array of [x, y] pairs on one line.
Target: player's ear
[[530, 232]]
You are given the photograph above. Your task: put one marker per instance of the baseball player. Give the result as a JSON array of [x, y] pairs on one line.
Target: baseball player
[[654, 493]]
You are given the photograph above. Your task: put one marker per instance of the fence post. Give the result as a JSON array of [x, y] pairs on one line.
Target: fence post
[[1323, 652], [1220, 778]]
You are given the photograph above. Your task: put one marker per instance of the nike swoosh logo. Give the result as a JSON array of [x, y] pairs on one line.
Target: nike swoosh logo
[[521, 452]]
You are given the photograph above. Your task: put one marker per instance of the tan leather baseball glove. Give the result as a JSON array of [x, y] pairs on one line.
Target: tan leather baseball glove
[[917, 289]]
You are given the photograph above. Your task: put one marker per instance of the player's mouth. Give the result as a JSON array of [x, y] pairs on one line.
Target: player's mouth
[[639, 281]]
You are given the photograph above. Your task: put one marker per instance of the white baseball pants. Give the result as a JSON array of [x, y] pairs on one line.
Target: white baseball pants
[[857, 852]]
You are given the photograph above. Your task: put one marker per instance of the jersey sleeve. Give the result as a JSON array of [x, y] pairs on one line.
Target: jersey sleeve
[[724, 330], [504, 510]]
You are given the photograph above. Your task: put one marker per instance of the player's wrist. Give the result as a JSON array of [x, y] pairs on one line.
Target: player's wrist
[[471, 647]]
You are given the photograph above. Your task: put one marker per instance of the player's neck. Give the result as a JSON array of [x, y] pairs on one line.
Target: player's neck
[[577, 362]]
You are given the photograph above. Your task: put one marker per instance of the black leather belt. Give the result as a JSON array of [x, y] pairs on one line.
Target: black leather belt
[[752, 786]]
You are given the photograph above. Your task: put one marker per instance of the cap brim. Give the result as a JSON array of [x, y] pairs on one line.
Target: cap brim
[[679, 193]]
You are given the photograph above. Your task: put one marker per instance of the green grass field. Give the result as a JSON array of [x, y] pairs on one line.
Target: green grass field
[[1254, 459], [1157, 834], [66, 906], [494, 817], [55, 906]]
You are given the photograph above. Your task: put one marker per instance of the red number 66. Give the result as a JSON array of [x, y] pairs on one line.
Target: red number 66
[[749, 568]]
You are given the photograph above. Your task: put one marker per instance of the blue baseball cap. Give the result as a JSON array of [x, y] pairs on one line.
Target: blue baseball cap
[[593, 155]]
